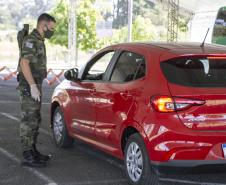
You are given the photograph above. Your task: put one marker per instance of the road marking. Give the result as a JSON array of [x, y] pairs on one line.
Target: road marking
[[187, 181], [18, 120], [17, 102], [112, 162], [10, 116], [109, 161], [98, 182], [38, 174]]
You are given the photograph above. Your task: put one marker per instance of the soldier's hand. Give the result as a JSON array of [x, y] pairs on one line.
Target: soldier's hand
[[35, 94]]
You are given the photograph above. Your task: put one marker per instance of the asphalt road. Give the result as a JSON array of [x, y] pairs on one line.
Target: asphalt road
[[80, 165]]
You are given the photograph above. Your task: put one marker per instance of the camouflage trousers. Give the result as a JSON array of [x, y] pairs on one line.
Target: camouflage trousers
[[30, 118]]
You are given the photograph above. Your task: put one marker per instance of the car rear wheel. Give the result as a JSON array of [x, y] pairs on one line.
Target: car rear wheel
[[60, 133], [137, 163]]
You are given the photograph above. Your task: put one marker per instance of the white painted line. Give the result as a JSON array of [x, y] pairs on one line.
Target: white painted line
[[10, 116], [98, 182], [112, 162], [188, 182], [17, 102], [18, 120], [38, 174]]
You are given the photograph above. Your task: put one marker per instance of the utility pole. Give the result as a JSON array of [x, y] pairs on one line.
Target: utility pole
[[173, 11], [72, 30], [130, 20]]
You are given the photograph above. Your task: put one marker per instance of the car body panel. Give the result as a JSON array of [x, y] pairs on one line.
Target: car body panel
[[104, 110], [83, 108], [211, 116]]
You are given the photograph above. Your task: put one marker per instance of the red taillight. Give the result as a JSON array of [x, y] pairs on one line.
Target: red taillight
[[163, 103], [172, 104]]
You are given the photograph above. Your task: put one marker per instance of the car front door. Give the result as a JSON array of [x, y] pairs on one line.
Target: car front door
[[84, 95]]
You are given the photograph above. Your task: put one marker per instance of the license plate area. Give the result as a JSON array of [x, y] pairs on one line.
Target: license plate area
[[224, 149]]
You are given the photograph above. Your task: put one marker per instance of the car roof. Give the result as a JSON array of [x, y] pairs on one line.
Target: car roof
[[186, 45], [180, 47]]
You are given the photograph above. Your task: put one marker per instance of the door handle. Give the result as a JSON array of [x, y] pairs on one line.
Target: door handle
[[125, 94], [92, 91]]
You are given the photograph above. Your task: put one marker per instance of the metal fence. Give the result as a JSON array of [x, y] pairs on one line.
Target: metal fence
[[53, 76]]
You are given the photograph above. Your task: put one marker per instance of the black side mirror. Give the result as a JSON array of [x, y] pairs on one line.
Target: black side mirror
[[71, 74]]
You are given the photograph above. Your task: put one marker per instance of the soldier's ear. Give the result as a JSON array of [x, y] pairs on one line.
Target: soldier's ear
[[44, 27]]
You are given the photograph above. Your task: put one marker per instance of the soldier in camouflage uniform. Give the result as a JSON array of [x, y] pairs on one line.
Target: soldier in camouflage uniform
[[31, 73]]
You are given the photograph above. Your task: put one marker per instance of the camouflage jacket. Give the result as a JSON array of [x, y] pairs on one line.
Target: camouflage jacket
[[33, 49]]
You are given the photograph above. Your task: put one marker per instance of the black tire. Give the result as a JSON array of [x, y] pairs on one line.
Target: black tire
[[146, 176], [60, 133]]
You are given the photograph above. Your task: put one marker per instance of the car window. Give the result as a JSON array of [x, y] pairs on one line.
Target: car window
[[130, 66], [98, 69], [196, 72], [219, 29]]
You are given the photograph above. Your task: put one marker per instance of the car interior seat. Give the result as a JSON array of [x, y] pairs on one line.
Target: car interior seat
[[197, 72]]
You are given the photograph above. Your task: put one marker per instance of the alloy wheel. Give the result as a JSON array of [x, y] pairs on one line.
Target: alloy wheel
[[58, 126], [134, 162]]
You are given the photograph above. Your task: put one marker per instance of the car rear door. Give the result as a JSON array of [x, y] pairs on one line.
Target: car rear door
[[116, 97], [198, 87]]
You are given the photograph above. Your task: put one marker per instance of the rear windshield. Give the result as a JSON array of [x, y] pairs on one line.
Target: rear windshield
[[196, 72]]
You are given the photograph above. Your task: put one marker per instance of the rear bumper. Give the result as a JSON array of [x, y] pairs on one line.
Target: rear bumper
[[187, 146], [189, 166]]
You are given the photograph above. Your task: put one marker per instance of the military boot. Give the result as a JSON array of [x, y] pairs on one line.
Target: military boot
[[40, 156], [29, 159]]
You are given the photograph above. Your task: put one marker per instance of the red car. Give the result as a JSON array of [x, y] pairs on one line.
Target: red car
[[155, 105]]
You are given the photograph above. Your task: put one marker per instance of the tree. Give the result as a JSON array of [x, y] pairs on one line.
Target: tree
[[61, 34], [140, 7], [120, 13], [105, 9], [141, 32], [86, 24], [155, 17], [13, 13]]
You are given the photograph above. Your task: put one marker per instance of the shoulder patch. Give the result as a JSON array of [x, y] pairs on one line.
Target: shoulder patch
[[29, 45]]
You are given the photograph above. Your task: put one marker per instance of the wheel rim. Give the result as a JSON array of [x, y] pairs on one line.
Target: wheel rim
[[58, 126], [134, 162]]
